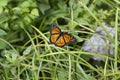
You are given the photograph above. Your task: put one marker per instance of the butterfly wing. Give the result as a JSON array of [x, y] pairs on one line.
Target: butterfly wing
[[64, 39], [69, 38], [54, 30], [59, 38], [60, 41], [53, 38], [54, 33]]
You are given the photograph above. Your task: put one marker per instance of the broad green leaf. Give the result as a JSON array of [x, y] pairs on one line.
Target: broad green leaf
[[2, 32], [28, 3], [35, 12], [62, 5], [85, 1], [3, 18], [2, 45], [43, 7], [27, 50], [25, 10], [14, 57], [11, 56], [3, 2], [72, 2]]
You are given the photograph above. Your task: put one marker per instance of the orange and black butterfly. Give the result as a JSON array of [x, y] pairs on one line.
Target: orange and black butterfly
[[59, 38]]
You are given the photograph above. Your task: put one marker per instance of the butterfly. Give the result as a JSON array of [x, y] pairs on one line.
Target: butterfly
[[59, 38]]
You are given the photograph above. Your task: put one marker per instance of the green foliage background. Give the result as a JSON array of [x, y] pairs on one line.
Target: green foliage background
[[25, 50]]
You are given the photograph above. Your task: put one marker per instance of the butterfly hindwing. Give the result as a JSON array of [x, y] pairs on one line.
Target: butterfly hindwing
[[53, 38], [69, 38], [60, 41]]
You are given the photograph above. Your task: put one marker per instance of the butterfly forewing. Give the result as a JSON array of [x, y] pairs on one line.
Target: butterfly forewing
[[54, 30]]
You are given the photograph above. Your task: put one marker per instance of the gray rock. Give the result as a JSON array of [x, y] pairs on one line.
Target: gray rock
[[98, 44]]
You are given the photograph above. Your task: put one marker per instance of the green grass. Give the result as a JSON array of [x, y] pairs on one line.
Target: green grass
[[25, 49]]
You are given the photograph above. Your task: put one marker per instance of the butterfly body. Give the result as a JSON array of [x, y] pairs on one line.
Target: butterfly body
[[59, 38]]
